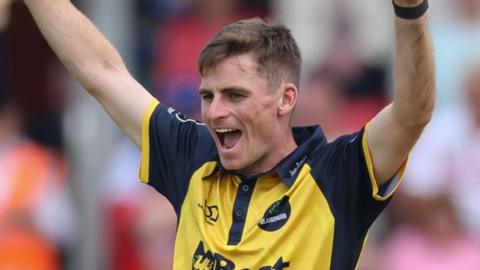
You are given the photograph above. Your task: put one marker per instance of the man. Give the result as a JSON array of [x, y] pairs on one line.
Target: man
[[251, 192]]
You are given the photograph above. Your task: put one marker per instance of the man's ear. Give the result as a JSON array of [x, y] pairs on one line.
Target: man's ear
[[288, 98]]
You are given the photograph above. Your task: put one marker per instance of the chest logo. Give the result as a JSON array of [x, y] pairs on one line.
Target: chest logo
[[210, 212], [276, 215], [209, 260]]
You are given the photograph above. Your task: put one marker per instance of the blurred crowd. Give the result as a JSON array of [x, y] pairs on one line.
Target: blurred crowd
[[432, 223]]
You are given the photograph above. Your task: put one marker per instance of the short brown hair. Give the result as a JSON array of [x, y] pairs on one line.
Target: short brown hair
[[272, 45]]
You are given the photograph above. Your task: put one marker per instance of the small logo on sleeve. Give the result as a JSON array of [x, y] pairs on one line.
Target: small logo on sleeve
[[182, 118], [354, 138], [276, 215]]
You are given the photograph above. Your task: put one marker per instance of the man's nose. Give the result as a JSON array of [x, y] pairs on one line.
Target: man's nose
[[217, 109]]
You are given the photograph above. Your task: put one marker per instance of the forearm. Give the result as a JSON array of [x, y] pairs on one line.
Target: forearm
[[89, 56], [413, 101], [84, 51], [414, 95]]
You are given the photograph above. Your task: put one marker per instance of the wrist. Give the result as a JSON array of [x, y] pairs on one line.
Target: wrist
[[410, 9]]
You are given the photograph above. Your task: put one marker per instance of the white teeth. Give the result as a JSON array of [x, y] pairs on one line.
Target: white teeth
[[224, 130]]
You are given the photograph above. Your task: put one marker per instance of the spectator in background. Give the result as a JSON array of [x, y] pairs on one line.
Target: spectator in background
[[40, 98], [430, 237], [321, 101], [447, 158], [156, 215], [141, 224], [27, 174], [317, 24], [342, 94], [456, 41], [35, 220]]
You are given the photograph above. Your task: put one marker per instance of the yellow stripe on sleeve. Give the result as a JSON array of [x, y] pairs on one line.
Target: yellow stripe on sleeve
[[394, 183], [145, 160]]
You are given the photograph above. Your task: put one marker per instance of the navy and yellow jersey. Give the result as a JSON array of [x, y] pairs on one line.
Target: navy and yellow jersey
[[312, 211]]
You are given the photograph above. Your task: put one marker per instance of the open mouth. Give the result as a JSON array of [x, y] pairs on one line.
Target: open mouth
[[228, 137]]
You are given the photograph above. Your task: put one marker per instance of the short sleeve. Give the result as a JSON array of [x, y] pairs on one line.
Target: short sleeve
[[173, 147], [385, 191], [344, 172]]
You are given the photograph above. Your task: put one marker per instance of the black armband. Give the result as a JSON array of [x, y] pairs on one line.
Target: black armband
[[410, 13]]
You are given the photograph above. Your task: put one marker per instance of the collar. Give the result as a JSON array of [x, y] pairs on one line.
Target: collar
[[307, 139]]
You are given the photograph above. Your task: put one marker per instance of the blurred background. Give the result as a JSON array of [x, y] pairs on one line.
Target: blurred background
[[69, 194]]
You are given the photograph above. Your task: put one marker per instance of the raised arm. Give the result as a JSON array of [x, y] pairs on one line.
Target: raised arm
[[395, 130], [88, 55]]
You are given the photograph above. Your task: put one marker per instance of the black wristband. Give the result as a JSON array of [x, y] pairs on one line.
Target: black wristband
[[411, 13]]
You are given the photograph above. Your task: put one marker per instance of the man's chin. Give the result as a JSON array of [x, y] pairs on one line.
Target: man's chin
[[231, 164], [242, 168]]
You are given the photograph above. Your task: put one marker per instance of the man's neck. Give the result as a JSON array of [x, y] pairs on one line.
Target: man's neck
[[282, 149]]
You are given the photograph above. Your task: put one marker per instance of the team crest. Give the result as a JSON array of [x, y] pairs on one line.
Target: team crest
[[276, 215]]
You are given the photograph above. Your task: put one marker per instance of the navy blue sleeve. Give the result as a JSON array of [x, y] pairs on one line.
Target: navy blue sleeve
[[173, 147], [344, 173]]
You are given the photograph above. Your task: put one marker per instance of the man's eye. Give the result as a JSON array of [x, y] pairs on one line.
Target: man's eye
[[207, 97], [235, 96]]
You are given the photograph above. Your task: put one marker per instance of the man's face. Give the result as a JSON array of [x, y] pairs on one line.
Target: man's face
[[242, 114]]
